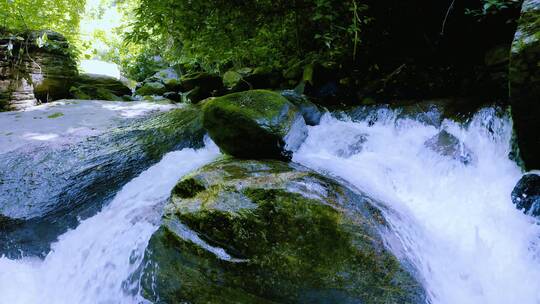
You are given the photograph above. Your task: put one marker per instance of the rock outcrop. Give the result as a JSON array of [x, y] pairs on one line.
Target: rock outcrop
[[35, 67], [244, 231], [524, 80]]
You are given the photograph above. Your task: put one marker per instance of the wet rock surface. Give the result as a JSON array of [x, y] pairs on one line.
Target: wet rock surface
[[271, 232], [255, 124], [45, 188], [526, 194]]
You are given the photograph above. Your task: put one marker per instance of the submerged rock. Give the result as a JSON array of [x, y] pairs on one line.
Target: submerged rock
[[448, 145], [271, 232], [99, 87], [524, 80], [526, 194], [254, 124]]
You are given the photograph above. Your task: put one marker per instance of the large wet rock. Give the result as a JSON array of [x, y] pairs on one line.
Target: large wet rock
[[254, 124], [526, 194], [525, 83], [35, 67], [243, 231], [99, 87], [47, 187]]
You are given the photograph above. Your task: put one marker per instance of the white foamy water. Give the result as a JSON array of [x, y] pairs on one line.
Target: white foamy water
[[457, 221], [92, 263]]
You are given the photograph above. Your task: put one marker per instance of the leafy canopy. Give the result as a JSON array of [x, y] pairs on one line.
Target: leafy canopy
[[218, 34], [61, 16]]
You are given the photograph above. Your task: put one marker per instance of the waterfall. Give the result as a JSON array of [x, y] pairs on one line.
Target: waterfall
[[93, 263], [457, 222]]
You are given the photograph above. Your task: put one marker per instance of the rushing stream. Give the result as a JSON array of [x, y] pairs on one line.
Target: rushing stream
[[93, 263], [461, 231]]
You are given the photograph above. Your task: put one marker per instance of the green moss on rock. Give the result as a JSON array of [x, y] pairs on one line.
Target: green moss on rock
[[188, 188], [168, 130], [251, 124], [271, 232], [98, 87], [151, 88], [231, 79]]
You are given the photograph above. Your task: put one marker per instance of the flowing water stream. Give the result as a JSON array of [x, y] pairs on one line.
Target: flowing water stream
[[459, 227], [93, 263], [457, 221]]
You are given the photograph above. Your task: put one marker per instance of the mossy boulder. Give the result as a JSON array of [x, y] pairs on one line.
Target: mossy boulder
[[98, 87], [169, 77], [174, 96], [524, 81], [201, 86], [151, 88], [245, 231], [254, 124]]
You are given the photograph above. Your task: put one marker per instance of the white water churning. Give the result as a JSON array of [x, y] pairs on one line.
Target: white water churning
[[457, 221], [93, 263]]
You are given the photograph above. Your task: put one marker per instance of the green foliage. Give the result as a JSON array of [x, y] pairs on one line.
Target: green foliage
[[104, 24], [494, 7], [218, 34], [61, 16]]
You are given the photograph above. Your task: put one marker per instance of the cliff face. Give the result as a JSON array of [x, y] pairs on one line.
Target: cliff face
[[524, 80], [35, 67]]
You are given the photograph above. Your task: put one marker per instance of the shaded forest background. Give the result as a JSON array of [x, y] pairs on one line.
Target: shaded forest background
[[433, 47]]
